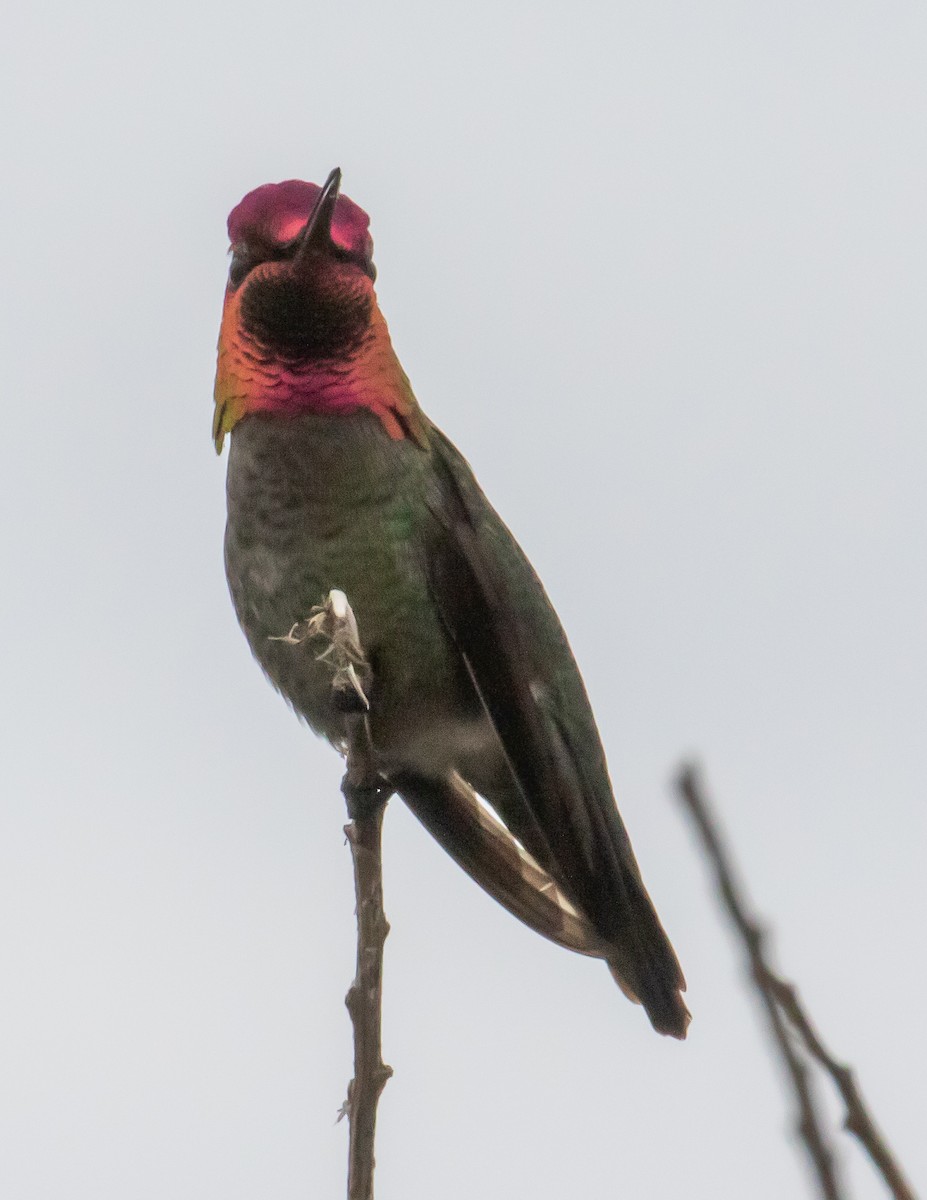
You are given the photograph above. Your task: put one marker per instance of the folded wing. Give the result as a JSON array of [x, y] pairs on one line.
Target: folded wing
[[558, 800]]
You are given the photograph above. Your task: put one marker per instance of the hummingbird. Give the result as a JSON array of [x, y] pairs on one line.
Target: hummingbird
[[338, 481]]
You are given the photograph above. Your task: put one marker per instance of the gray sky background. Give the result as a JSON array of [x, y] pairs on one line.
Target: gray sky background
[[659, 270]]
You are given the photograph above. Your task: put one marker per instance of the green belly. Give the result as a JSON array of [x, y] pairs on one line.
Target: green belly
[[317, 503]]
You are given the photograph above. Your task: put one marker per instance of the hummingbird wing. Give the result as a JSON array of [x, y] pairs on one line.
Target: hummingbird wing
[[478, 841], [559, 801]]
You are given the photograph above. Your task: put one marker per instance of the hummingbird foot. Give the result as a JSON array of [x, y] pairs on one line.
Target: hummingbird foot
[[364, 798], [364, 786], [334, 621]]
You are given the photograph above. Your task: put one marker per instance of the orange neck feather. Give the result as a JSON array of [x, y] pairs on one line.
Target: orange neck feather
[[249, 379]]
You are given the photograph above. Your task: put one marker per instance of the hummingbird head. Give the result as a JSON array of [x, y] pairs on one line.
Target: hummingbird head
[[301, 328], [301, 276]]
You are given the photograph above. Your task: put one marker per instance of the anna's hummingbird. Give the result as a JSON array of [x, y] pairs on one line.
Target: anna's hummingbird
[[338, 480]]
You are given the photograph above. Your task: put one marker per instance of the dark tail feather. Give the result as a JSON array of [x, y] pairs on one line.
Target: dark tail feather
[[640, 956], [644, 966], [666, 1010]]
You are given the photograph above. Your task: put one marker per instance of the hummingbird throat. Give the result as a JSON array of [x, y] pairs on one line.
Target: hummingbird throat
[[250, 379]]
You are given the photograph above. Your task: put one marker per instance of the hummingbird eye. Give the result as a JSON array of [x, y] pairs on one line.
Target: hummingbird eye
[[358, 258], [243, 259]]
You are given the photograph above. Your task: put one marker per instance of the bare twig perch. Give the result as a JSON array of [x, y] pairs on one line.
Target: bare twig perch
[[366, 793], [789, 1023], [364, 998]]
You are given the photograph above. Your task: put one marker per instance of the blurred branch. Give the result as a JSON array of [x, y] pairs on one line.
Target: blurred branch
[[857, 1119], [366, 793], [808, 1123], [789, 1023]]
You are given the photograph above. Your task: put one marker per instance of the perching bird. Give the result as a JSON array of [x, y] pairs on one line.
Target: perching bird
[[338, 480]]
